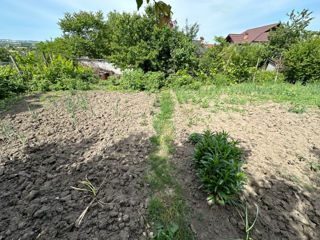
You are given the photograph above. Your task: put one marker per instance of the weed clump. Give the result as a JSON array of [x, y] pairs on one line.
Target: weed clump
[[218, 160]]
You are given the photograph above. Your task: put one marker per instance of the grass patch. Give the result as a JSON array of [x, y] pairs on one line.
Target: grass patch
[[240, 94], [167, 211]]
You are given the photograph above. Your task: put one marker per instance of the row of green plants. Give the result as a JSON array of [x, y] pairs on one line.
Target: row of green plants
[[36, 75], [137, 80]]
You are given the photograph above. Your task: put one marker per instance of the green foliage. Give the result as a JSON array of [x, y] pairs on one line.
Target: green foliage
[[162, 10], [138, 42], [195, 138], [268, 77], [236, 63], [296, 108], [183, 79], [302, 61], [86, 33], [60, 74], [4, 55], [315, 167], [217, 160], [138, 80], [245, 220], [290, 32]]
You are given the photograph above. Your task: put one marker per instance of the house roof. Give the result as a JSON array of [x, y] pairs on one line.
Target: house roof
[[259, 34]]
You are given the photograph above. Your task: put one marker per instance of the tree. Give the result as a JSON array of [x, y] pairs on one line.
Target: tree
[[87, 33], [191, 31], [302, 61], [138, 42], [290, 32]]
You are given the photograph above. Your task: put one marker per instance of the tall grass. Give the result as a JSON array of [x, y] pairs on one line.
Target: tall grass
[[296, 94]]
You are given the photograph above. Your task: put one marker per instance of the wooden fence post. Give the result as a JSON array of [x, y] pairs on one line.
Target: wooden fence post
[[277, 69], [255, 73]]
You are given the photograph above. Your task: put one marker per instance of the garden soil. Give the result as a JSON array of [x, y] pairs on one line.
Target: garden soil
[[47, 150], [279, 148], [108, 146]]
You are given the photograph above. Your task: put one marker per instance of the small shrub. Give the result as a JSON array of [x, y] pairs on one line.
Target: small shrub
[[194, 138], [296, 108], [268, 77], [138, 80], [217, 160], [154, 81], [183, 79]]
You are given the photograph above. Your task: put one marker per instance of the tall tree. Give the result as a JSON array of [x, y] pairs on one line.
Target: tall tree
[[87, 33], [290, 32]]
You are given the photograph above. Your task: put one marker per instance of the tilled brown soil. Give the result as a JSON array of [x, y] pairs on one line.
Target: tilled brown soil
[[279, 148], [109, 145]]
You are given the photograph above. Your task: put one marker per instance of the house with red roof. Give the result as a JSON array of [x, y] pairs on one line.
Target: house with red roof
[[254, 35]]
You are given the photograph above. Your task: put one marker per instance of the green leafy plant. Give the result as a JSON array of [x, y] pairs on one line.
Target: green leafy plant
[[301, 63], [33, 114], [245, 220], [296, 108], [194, 138], [315, 167], [5, 129], [21, 137], [218, 160], [71, 109], [88, 187], [165, 233]]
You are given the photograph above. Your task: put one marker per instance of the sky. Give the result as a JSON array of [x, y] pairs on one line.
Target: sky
[[37, 19]]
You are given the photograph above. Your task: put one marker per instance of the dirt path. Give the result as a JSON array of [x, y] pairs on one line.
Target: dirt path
[[279, 148], [110, 142]]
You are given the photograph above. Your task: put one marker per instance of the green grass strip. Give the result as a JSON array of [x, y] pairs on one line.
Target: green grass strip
[[167, 211]]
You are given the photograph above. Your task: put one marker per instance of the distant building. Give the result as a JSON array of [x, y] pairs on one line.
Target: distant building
[[202, 46], [100, 67], [254, 35]]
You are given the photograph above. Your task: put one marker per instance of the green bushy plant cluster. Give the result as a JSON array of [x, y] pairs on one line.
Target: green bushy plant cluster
[[183, 79], [268, 76], [60, 74], [302, 61], [194, 138], [11, 82], [138, 80], [236, 62], [218, 160]]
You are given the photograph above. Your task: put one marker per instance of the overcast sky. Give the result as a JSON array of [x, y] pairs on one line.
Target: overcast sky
[[37, 19]]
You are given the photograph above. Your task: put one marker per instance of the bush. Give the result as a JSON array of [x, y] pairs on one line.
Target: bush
[[302, 61], [60, 74], [217, 160], [183, 79], [194, 138], [154, 81], [138, 80], [235, 62], [11, 82], [268, 76]]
